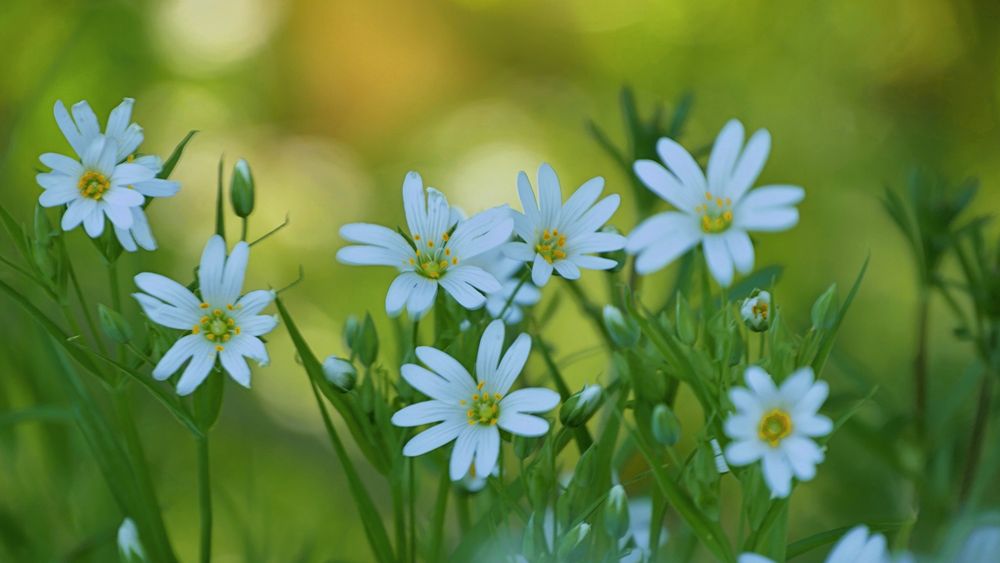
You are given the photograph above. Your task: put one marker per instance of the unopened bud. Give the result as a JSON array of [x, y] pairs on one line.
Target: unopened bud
[[573, 539], [241, 189], [825, 309], [666, 427], [623, 331], [687, 330], [113, 325], [367, 346], [578, 409], [340, 373], [129, 546], [352, 331], [616, 520], [756, 311]]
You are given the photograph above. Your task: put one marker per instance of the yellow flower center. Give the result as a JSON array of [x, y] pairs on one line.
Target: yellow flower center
[[431, 261], [759, 309], [775, 426], [93, 184], [483, 408], [716, 214], [217, 326], [551, 246]]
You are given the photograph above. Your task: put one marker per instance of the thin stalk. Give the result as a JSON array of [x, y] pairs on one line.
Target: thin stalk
[[243, 231], [399, 513], [413, 509], [510, 300], [205, 499], [440, 511], [977, 436], [590, 310], [95, 334], [920, 362], [462, 503]]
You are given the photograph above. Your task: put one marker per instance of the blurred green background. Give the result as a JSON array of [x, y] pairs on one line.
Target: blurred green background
[[333, 101]]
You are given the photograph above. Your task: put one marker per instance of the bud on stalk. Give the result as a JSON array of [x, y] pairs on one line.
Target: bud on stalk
[[578, 409], [241, 189], [756, 311], [340, 373], [623, 331], [616, 519]]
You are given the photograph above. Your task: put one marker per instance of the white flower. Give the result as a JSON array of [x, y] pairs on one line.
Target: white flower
[[129, 546], [756, 311], [441, 245], [857, 546], [562, 236], [640, 513], [107, 181], [753, 558], [776, 425], [471, 411], [221, 324], [507, 271], [716, 212]]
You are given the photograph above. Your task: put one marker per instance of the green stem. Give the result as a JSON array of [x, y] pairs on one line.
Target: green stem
[[205, 498], [243, 232], [920, 362], [440, 511], [95, 334], [510, 300], [410, 487], [977, 436], [590, 310]]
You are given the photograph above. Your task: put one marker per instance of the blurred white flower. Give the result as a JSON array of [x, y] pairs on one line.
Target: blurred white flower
[[717, 211], [640, 513], [857, 546], [507, 271], [756, 311], [776, 425], [129, 546], [562, 236], [471, 410], [753, 558], [222, 324], [114, 164], [436, 254]]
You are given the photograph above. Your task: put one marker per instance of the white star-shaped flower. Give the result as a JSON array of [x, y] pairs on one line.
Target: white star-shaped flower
[[96, 186], [436, 254], [777, 425], [716, 212], [470, 411], [220, 323], [856, 546], [561, 236]]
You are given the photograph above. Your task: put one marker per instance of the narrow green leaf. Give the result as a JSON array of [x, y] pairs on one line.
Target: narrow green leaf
[[220, 205], [826, 344], [171, 162], [15, 230]]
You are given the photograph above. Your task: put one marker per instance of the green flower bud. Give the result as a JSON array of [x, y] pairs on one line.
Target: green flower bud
[[340, 373], [666, 427], [687, 330], [578, 409], [367, 346], [524, 446], [756, 311], [825, 309], [129, 546], [616, 520], [624, 331], [619, 256], [573, 539], [352, 331], [113, 325], [241, 189]]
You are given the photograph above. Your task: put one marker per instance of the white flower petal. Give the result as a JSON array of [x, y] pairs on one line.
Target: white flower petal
[[488, 356], [431, 384], [463, 452], [213, 261], [850, 546], [421, 298], [130, 173], [371, 256], [157, 187], [772, 196], [93, 223], [594, 262], [520, 251], [254, 302], [235, 366], [426, 412], [78, 210], [258, 325], [167, 290], [250, 347], [512, 363], [120, 217], [86, 120], [749, 165], [462, 292], [761, 383], [377, 235], [530, 400], [744, 452], [767, 220], [681, 164], [724, 154], [141, 231], [549, 195], [399, 291], [741, 249], [663, 183], [53, 197], [567, 269], [234, 273], [522, 424], [541, 271], [177, 355], [487, 449], [777, 473], [448, 368], [803, 454], [69, 129], [596, 217], [120, 118], [814, 398], [200, 367], [742, 426], [813, 425], [434, 437], [527, 197], [720, 263], [414, 204], [62, 163], [581, 200], [794, 388]]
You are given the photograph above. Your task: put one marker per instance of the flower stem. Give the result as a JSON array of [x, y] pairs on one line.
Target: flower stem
[[590, 310], [440, 511], [510, 300], [205, 499], [920, 362], [977, 436]]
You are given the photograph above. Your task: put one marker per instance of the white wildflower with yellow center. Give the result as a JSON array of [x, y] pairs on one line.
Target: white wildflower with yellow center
[[435, 255], [776, 425], [471, 411], [221, 324], [716, 210], [858, 545], [562, 237], [108, 180]]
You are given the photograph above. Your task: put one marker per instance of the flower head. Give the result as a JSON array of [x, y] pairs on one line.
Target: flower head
[[756, 311], [129, 546], [717, 210], [858, 546], [436, 254], [507, 272], [108, 180], [776, 425], [220, 323], [561, 236], [471, 411]]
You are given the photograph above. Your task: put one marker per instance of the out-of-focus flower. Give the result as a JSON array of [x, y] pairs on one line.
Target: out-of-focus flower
[[82, 130], [129, 546], [756, 310], [716, 212], [221, 323], [776, 425], [506, 272], [624, 331], [858, 546], [471, 410], [561, 236], [435, 254], [616, 517], [340, 373]]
